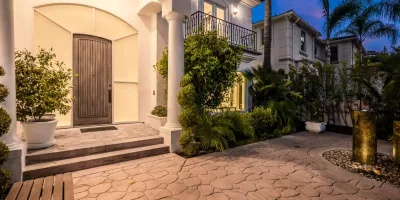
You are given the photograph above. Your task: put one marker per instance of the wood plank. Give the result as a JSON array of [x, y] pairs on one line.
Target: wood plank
[[58, 187], [36, 189], [13, 194], [47, 188], [25, 190], [68, 187]]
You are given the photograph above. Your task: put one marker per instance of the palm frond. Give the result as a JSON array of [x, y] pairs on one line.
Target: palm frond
[[341, 13]]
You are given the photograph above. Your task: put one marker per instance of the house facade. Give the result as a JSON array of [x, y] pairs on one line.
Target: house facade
[[293, 39], [113, 46]]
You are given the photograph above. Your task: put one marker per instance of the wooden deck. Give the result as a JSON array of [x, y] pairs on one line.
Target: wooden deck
[[59, 187]]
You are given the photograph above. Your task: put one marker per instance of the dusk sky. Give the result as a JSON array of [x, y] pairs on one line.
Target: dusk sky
[[311, 11]]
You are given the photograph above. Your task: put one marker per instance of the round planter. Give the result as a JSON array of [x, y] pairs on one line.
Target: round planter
[[39, 135], [315, 127]]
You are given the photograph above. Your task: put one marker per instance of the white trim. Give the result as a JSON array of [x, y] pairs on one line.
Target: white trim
[[133, 34]]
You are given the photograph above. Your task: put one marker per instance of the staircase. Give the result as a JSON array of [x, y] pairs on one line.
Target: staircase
[[70, 159]]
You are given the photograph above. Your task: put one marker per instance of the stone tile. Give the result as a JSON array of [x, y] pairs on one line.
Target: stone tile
[[92, 181], [81, 195], [151, 184], [176, 188], [111, 196], [143, 177], [206, 179], [269, 193], [189, 194], [205, 190], [218, 196], [133, 195], [289, 193], [101, 188], [232, 194], [121, 175], [220, 173], [137, 187], [222, 183], [194, 181], [345, 188], [308, 191], [80, 189]]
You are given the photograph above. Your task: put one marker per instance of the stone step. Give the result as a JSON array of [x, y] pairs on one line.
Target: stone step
[[85, 162], [54, 154]]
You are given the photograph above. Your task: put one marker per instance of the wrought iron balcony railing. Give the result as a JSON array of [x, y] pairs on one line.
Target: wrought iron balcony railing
[[235, 34]]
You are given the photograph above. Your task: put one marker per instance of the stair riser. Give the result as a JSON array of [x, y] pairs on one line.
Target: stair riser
[[92, 163], [54, 156]]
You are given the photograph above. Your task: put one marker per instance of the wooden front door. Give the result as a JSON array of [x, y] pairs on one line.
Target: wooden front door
[[92, 86]]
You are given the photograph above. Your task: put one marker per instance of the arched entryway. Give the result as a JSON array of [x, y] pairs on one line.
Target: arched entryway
[[108, 82]]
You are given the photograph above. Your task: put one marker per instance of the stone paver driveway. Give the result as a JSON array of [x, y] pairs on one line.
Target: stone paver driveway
[[289, 167]]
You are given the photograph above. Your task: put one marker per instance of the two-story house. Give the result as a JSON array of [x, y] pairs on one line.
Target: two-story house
[[293, 39], [113, 46]]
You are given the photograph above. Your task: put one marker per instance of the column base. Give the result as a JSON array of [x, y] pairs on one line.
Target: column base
[[16, 162], [171, 138]]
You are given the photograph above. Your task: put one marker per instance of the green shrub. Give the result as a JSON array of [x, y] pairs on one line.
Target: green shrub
[[211, 65], [4, 153], [3, 92], [42, 85], [5, 185], [242, 127], [263, 121], [5, 122], [159, 111]]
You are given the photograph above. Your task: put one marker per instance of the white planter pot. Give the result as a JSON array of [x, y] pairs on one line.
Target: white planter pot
[[39, 135], [156, 122], [315, 127]]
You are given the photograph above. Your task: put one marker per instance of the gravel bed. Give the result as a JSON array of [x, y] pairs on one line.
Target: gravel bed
[[385, 170]]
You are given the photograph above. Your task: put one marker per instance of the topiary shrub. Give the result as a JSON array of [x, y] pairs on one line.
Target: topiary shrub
[[5, 122], [159, 111]]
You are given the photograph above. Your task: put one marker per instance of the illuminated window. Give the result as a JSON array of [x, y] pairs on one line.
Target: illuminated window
[[236, 97], [303, 41]]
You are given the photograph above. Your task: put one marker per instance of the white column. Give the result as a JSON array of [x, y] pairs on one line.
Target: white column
[[175, 66], [16, 160], [172, 129]]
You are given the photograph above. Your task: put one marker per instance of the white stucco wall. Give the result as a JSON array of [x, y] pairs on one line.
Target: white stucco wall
[[124, 9]]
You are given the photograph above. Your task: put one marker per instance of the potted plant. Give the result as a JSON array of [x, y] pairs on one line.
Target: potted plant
[[158, 117], [315, 125], [42, 88]]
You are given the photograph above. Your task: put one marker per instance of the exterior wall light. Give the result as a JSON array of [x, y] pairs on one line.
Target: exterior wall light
[[235, 10]]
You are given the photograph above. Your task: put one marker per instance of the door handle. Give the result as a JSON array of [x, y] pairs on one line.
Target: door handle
[[109, 95]]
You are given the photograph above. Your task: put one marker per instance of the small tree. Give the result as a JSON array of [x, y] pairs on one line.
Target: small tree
[[42, 85], [211, 65], [5, 122]]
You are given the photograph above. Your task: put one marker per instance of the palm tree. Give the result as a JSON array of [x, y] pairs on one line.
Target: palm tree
[[365, 23], [335, 17], [267, 32], [390, 9]]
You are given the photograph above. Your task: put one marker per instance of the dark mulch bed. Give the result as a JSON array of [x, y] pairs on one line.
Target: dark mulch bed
[[339, 129], [384, 170]]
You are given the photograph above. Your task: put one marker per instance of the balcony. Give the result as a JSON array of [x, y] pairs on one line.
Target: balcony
[[235, 34]]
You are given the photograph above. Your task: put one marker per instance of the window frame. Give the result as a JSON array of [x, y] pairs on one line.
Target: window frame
[[214, 9], [303, 47], [337, 54]]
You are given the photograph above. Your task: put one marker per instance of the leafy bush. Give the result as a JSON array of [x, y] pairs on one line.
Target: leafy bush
[[159, 111], [5, 122], [263, 120], [42, 85], [211, 65]]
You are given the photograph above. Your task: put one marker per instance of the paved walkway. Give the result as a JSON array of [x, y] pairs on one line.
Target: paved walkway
[[289, 167]]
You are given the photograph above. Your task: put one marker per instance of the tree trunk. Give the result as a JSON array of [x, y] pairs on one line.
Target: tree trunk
[[396, 142], [267, 34], [328, 51]]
